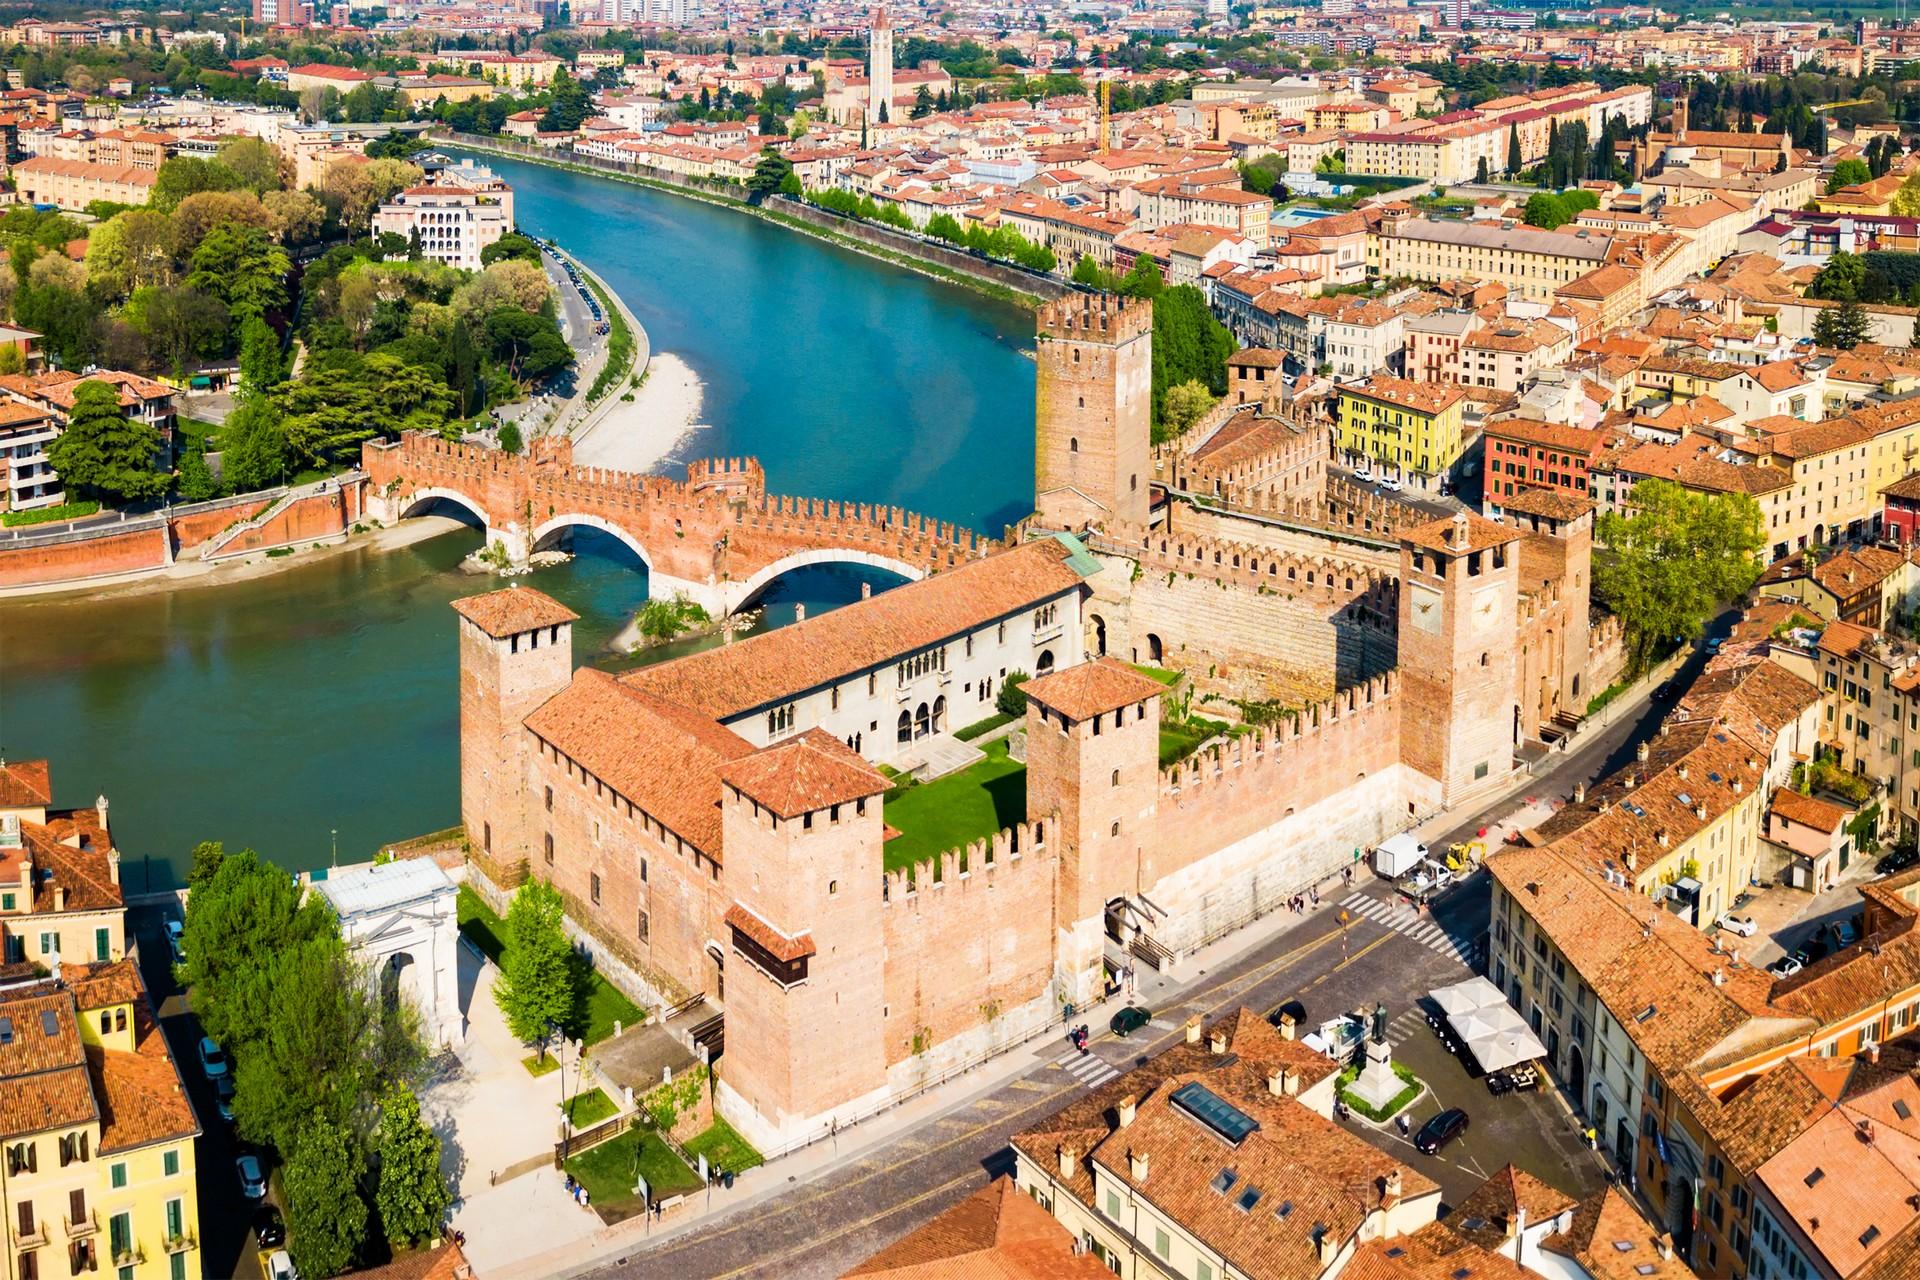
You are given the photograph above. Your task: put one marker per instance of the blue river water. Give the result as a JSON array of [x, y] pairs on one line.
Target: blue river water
[[313, 709]]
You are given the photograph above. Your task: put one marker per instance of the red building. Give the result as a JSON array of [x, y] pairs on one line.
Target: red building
[[1901, 516], [1524, 454]]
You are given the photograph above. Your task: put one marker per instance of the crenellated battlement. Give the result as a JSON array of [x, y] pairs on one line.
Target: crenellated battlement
[[1353, 715], [1327, 579], [1010, 851], [1098, 317]]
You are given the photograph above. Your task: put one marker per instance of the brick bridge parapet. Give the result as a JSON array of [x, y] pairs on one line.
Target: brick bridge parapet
[[718, 536]]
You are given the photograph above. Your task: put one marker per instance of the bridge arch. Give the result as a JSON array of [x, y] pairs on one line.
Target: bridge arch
[[612, 530], [419, 498], [763, 578]]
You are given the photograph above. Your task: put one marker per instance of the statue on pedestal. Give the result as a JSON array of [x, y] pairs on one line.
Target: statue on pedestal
[[1380, 1022]]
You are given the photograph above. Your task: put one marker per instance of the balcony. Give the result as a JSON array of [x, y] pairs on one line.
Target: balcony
[[31, 1239], [85, 1226], [179, 1243]]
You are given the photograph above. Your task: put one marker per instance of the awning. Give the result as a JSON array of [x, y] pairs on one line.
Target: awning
[[1490, 1028]]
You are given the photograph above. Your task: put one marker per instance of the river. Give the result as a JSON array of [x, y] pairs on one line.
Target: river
[[314, 709]]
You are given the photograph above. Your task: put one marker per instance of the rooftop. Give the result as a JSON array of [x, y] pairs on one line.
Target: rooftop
[[1092, 688], [516, 609]]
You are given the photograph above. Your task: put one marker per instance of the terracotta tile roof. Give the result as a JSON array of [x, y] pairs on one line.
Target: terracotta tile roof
[[1555, 504], [1443, 534], [997, 1233], [512, 611], [1859, 1189], [1808, 811], [43, 1079], [775, 942], [1848, 573], [662, 757], [804, 775], [1498, 1203], [1601, 1224], [1092, 688], [1421, 397], [85, 873], [777, 665], [25, 784], [140, 1094], [447, 1262], [97, 986], [1437, 1251]]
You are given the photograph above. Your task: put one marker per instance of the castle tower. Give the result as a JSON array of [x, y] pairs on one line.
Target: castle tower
[[516, 651], [1093, 758], [1556, 569], [880, 68], [1092, 412], [1459, 592], [806, 991]]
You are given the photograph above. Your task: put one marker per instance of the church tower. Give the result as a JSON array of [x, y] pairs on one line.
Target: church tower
[[880, 68], [516, 651], [806, 960], [1459, 600], [1094, 393]]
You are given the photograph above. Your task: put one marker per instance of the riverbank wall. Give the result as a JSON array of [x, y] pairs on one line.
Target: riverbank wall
[[905, 249], [38, 558]]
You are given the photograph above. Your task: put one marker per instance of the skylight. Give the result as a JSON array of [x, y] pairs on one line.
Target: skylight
[[1396, 1252], [49, 1023], [1646, 1013], [1624, 1246], [1283, 1209], [1901, 1109], [1815, 1176], [6, 1030], [1868, 1236], [1215, 1112], [1248, 1198], [1645, 1268], [1223, 1181]]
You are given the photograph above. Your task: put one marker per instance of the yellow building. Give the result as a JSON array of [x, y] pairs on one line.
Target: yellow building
[[1403, 426], [96, 1135], [1528, 261]]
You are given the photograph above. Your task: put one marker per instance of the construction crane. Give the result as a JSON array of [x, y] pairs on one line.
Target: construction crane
[[1106, 104]]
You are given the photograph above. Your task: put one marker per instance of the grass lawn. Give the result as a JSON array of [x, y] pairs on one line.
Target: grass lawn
[[1161, 674], [1181, 738], [607, 1170], [538, 1066], [948, 812], [725, 1149], [603, 1003], [584, 1110]]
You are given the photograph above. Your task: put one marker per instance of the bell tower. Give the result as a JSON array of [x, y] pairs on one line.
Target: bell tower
[[1094, 394], [1459, 600]]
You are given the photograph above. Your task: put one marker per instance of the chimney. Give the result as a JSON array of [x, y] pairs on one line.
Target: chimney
[[113, 865], [59, 897], [1518, 1224], [1390, 1189], [1069, 1161], [1719, 977], [1661, 838], [1125, 1109], [866, 591], [1640, 752], [100, 811], [1579, 793], [1700, 811], [1137, 1165], [26, 882], [1632, 860], [1663, 1245], [1324, 1243], [1218, 1040], [1605, 804], [1680, 770], [1193, 1029], [1739, 787], [1288, 1029], [1283, 1082], [1873, 1052]]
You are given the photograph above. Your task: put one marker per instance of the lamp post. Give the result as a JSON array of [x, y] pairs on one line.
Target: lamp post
[[566, 1120]]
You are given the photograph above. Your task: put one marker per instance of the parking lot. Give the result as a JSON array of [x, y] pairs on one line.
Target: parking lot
[[226, 1235]]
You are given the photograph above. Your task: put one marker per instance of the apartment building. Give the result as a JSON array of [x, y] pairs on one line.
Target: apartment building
[[75, 184], [25, 433], [1212, 198], [1505, 357], [1399, 425], [454, 224], [1528, 261], [1522, 453]]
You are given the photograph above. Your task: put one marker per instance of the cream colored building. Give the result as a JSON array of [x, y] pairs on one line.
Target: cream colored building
[[75, 184], [1528, 261]]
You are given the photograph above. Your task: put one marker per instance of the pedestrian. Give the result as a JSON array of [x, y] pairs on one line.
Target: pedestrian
[[1405, 1126]]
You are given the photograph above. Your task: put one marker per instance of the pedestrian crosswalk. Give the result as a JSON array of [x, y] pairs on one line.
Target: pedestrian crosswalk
[[1401, 919], [1090, 1069]]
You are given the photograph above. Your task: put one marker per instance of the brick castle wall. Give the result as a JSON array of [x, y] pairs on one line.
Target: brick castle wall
[[36, 563]]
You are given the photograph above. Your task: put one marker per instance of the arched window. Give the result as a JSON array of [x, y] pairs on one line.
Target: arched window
[[1116, 777], [922, 721], [1045, 663], [940, 713], [906, 727], [1073, 444]]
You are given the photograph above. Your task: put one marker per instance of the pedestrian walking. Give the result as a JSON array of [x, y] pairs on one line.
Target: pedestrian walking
[[1405, 1126]]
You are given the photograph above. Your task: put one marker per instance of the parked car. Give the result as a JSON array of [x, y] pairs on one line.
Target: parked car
[[268, 1228], [1293, 1007], [1843, 933], [177, 941], [223, 1096], [1787, 966], [1743, 926], [253, 1179], [1130, 1020], [280, 1266], [213, 1060], [1439, 1131], [1900, 859], [1389, 484]]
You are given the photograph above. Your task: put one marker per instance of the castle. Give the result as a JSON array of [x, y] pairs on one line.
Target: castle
[[719, 824]]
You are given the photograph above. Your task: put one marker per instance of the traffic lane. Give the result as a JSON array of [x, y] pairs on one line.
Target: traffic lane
[[226, 1217]]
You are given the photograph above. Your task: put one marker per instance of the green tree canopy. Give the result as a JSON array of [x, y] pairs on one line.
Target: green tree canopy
[[535, 989], [104, 452], [412, 1195], [1843, 327], [511, 245], [243, 267], [769, 175], [253, 446], [1669, 565], [183, 176], [1848, 173], [326, 1218], [1185, 403]]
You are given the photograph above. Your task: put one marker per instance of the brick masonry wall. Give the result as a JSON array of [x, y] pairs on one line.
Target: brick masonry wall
[[305, 519], [37, 563], [966, 948], [190, 530]]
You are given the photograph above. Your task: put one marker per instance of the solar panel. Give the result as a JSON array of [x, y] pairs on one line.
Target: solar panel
[[1215, 1112]]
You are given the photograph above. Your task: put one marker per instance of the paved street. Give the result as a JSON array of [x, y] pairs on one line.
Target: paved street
[[589, 353], [821, 1226], [226, 1234]]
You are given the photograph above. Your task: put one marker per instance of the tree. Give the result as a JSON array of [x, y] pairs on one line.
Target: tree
[[336, 407], [1848, 173], [103, 451], [194, 478], [1670, 564], [768, 175], [1184, 405], [1480, 172], [261, 367], [1841, 279], [242, 267], [182, 176], [511, 245], [412, 1194], [1914, 341], [207, 857], [944, 226], [510, 441], [1514, 162], [257, 164], [1090, 273], [253, 446], [535, 989], [1906, 201], [294, 217], [1011, 700], [529, 346], [238, 920], [179, 324], [1843, 327], [568, 104], [326, 1218]]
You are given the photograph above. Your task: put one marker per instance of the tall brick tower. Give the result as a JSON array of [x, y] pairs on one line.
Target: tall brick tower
[[1459, 590], [1093, 410], [1093, 757], [800, 823], [516, 651], [880, 67], [1556, 569]]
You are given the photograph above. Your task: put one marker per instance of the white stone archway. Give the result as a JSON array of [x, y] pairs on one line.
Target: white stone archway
[[555, 525], [742, 593], [400, 919]]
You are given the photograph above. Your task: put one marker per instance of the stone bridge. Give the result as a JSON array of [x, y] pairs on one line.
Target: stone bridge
[[718, 537]]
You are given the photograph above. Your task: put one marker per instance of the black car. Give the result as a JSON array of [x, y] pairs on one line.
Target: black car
[[268, 1227], [1499, 1082], [1130, 1020], [1439, 1131]]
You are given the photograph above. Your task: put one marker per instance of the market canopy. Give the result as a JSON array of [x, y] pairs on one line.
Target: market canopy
[[1492, 1031]]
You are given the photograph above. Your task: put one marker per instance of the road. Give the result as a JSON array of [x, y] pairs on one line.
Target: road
[[589, 353], [821, 1227]]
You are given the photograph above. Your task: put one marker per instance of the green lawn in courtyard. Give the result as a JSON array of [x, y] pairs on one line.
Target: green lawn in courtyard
[[607, 1170], [1161, 674], [1181, 738], [947, 813], [601, 1005], [725, 1149], [584, 1110]]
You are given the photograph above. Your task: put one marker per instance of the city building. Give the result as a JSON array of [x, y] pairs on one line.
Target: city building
[[453, 224], [75, 184], [1400, 426], [60, 895]]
